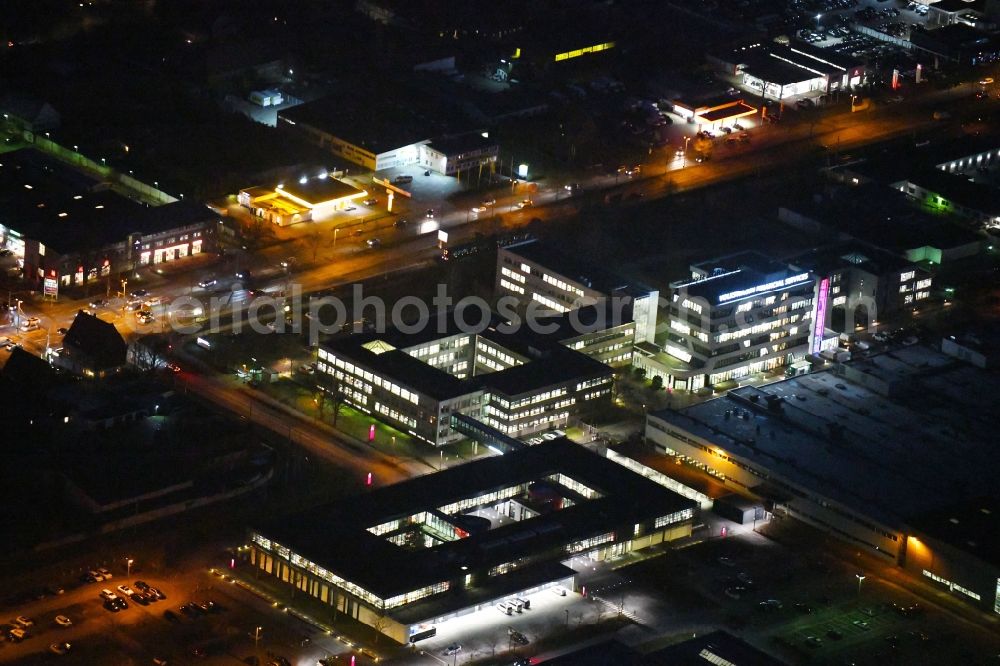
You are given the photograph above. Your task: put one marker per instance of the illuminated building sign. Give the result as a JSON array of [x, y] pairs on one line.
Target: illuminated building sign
[[819, 317], [761, 288], [587, 49]]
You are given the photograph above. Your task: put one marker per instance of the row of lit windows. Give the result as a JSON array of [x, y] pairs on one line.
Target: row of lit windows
[[317, 571], [671, 518], [410, 597], [590, 383], [393, 414], [367, 375], [953, 586], [510, 286], [565, 286], [548, 302], [512, 274], [691, 305], [587, 544], [574, 485]]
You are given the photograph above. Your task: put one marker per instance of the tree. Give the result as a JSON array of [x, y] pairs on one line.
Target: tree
[[381, 622], [657, 383], [313, 241], [640, 373], [256, 233], [328, 392]]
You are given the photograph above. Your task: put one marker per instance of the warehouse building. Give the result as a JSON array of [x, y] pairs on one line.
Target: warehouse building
[[410, 556], [875, 451], [779, 72], [66, 229], [397, 136]]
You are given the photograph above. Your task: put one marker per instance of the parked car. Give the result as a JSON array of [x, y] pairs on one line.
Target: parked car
[[454, 648], [525, 203], [63, 621], [23, 622], [60, 648]]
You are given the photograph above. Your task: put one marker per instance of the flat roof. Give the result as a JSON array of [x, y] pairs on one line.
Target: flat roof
[[737, 110], [548, 362], [958, 189], [851, 254], [579, 270], [457, 144], [972, 526], [48, 201], [884, 217], [337, 536], [773, 70], [735, 277], [894, 459], [320, 190]]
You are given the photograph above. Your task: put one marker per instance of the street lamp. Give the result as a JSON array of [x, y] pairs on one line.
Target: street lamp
[[256, 637], [818, 17], [335, 232], [128, 567], [860, 578]]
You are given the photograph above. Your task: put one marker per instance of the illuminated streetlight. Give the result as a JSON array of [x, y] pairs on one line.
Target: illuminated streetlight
[[128, 567], [860, 578]]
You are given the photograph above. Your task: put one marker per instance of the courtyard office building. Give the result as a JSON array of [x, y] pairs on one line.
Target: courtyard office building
[[411, 556], [513, 380]]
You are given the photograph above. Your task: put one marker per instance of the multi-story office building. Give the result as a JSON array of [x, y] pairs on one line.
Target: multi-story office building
[[514, 380], [736, 316], [542, 279], [862, 284], [409, 557]]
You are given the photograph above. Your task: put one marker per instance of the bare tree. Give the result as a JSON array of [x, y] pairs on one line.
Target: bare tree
[[313, 241], [328, 392], [381, 622], [256, 233]]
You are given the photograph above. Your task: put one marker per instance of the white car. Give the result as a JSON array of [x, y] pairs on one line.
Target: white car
[[63, 621], [23, 622], [454, 648], [525, 203], [478, 209], [60, 648], [125, 590]]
